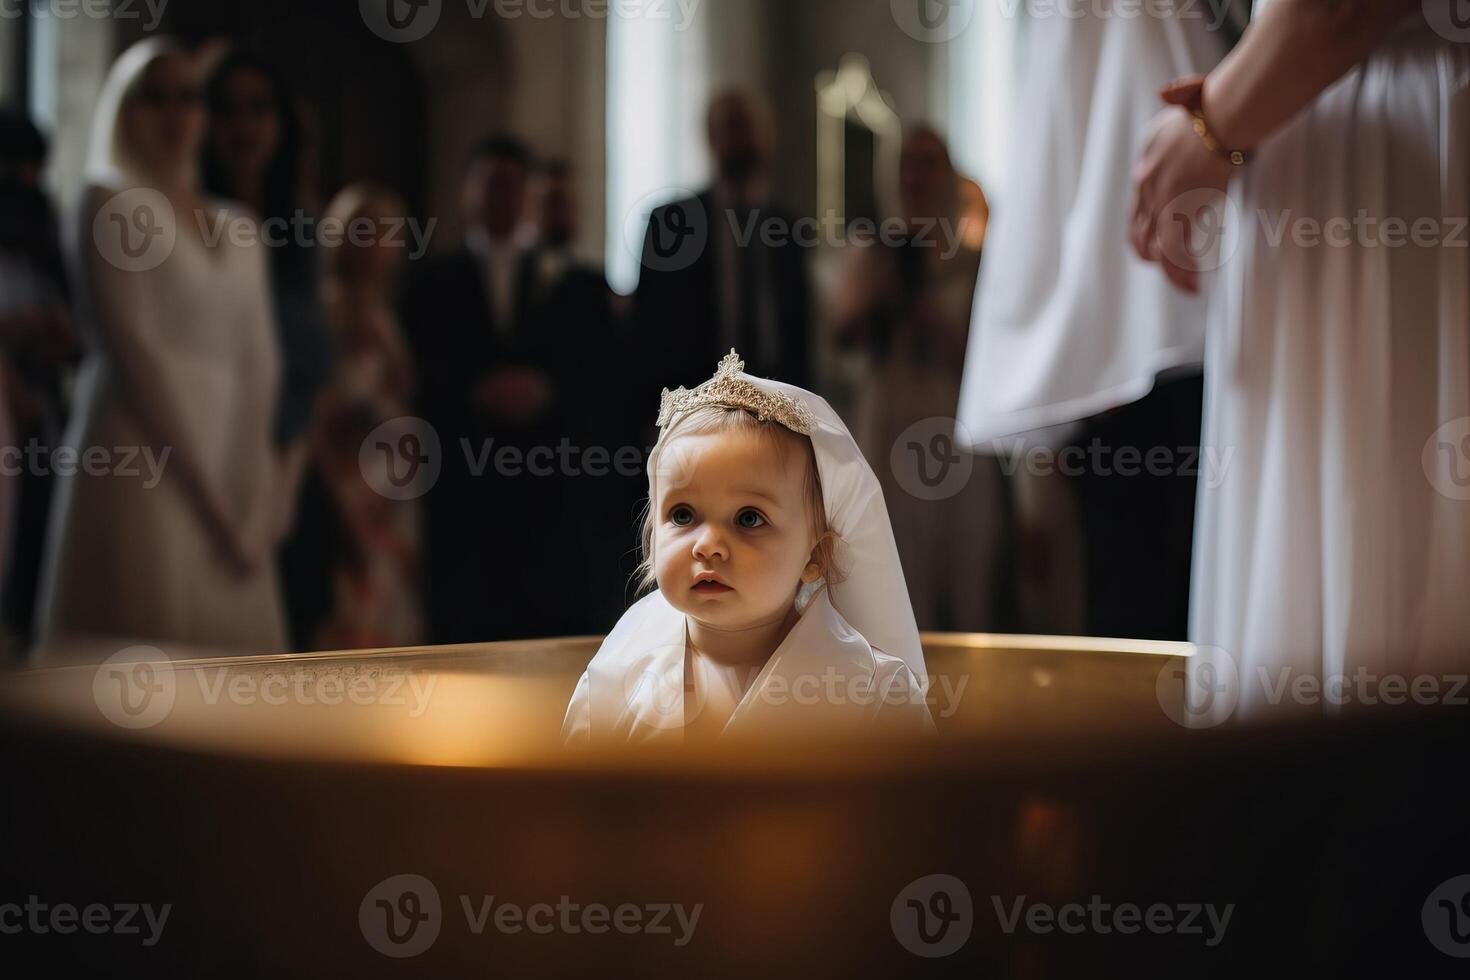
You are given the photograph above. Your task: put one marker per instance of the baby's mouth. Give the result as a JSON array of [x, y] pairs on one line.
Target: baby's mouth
[[711, 586]]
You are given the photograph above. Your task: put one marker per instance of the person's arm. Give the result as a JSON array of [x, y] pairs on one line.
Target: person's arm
[[1287, 57], [130, 332], [268, 509], [293, 465]]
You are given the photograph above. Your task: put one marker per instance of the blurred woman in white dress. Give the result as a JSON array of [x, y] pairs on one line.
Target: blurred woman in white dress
[[170, 544], [1337, 544], [908, 305]]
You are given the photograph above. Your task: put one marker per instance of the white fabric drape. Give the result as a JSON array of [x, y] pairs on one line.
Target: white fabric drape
[[1067, 321], [1338, 380]]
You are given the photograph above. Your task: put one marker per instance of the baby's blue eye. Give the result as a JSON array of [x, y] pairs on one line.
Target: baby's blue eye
[[674, 515], [740, 519]]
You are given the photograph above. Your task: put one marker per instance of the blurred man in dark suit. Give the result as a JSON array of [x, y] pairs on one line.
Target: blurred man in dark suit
[[570, 299], [505, 332], [723, 269], [563, 289], [38, 350]]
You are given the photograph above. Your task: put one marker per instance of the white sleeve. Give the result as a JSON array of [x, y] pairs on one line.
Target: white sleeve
[[576, 727], [901, 706]]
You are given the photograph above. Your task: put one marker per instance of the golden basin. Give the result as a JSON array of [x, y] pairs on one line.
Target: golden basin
[[271, 800]]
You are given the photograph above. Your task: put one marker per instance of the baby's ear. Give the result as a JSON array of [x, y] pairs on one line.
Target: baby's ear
[[821, 556]]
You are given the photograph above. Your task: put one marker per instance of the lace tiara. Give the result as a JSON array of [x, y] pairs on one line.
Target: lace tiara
[[727, 388]]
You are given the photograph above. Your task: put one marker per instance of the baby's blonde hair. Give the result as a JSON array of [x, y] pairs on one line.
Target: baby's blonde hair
[[719, 418]]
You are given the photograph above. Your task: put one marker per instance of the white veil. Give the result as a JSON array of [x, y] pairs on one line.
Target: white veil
[[860, 628], [873, 597], [107, 159]]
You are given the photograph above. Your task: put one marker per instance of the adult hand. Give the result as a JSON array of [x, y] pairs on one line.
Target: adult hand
[[1176, 180]]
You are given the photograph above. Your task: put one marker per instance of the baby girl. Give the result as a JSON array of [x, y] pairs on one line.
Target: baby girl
[[780, 604]]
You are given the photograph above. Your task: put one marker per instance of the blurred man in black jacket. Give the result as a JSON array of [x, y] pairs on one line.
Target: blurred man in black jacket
[[723, 269], [507, 334]]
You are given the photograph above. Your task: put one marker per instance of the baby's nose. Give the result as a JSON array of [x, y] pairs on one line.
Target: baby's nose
[[710, 543]]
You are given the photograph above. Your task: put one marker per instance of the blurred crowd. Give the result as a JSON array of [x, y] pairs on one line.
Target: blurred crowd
[[273, 385]]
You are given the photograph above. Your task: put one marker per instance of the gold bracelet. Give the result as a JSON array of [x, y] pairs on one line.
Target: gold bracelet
[[1237, 157]]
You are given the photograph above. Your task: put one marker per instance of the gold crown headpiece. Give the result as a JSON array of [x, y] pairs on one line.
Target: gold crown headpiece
[[729, 390]]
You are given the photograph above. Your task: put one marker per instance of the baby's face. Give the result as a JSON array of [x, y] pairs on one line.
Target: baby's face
[[731, 505]]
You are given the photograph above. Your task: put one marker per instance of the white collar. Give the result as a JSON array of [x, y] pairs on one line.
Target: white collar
[[637, 677]]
